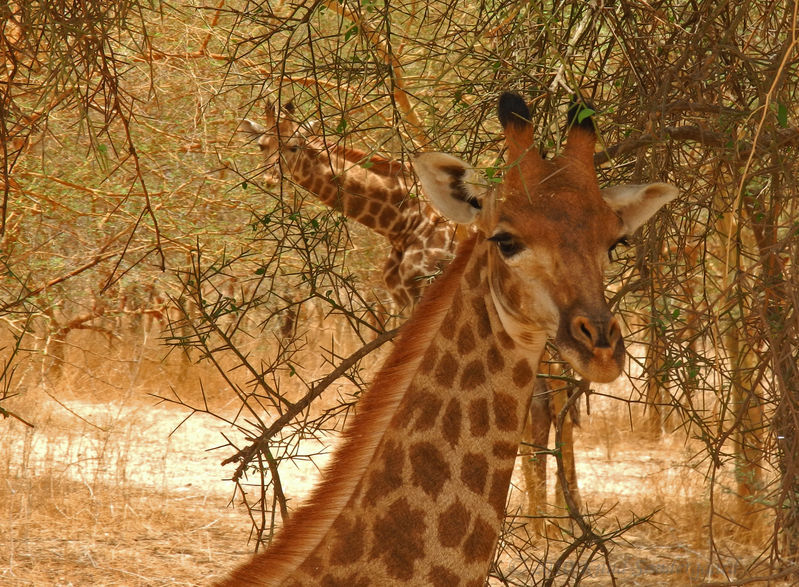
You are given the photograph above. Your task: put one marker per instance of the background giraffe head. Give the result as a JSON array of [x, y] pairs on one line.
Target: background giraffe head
[[279, 136]]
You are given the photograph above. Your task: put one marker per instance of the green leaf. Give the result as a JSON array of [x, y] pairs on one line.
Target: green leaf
[[584, 113], [342, 125], [492, 174], [782, 115], [350, 32]]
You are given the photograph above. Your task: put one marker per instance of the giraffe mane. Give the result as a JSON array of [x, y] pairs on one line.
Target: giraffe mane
[[304, 530]]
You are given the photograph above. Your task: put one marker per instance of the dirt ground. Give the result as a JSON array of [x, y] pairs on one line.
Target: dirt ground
[[105, 496], [116, 491]]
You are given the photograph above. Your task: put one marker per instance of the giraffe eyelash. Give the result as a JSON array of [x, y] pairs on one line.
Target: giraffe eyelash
[[507, 244]]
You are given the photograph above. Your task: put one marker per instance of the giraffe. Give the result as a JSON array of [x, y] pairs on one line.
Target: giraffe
[[415, 492], [368, 189], [335, 175], [407, 271]]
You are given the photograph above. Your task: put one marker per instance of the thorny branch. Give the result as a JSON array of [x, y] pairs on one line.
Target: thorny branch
[[256, 446]]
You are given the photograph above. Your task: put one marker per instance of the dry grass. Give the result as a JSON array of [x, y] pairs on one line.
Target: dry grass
[[100, 493], [60, 532]]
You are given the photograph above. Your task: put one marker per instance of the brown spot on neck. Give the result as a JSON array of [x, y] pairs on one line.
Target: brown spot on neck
[[429, 468], [478, 417], [399, 539], [522, 373]]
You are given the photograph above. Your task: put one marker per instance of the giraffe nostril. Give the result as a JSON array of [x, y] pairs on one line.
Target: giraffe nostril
[[584, 331], [614, 332]]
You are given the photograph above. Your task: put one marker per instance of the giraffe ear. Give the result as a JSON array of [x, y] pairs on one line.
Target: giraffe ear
[[251, 127], [453, 187], [635, 204]]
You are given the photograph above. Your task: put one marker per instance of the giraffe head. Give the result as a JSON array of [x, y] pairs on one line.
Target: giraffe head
[[280, 136], [549, 230]]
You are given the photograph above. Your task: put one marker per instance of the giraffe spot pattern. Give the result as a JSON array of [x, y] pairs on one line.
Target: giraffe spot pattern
[[442, 577], [473, 278], [473, 375], [474, 472], [317, 185], [480, 313], [505, 340], [386, 217], [389, 478], [428, 406], [447, 329], [456, 309], [375, 208], [399, 539], [430, 470], [446, 370], [453, 524], [352, 580], [480, 543], [465, 342], [498, 491], [522, 374], [505, 406], [429, 359], [478, 417], [494, 359], [349, 544], [504, 450], [353, 206], [451, 423]]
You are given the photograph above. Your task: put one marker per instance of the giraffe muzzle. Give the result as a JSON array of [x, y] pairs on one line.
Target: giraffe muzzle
[[596, 349]]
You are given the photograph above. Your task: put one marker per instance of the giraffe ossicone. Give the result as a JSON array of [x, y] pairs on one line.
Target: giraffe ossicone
[[415, 492]]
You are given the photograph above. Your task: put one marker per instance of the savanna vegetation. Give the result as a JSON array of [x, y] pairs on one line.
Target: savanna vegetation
[[152, 264]]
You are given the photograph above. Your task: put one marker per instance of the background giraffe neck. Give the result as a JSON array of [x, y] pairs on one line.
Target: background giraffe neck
[[375, 163], [379, 201]]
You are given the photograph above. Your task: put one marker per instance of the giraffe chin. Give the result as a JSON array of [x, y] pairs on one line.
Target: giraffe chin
[[602, 366]]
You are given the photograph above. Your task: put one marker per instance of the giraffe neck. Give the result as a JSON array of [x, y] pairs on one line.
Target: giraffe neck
[[377, 198], [416, 493], [375, 163]]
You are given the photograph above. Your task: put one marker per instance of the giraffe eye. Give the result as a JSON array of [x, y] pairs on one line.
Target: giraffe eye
[[507, 244], [622, 241]]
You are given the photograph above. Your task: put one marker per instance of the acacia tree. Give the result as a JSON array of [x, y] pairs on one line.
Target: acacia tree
[[700, 94]]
